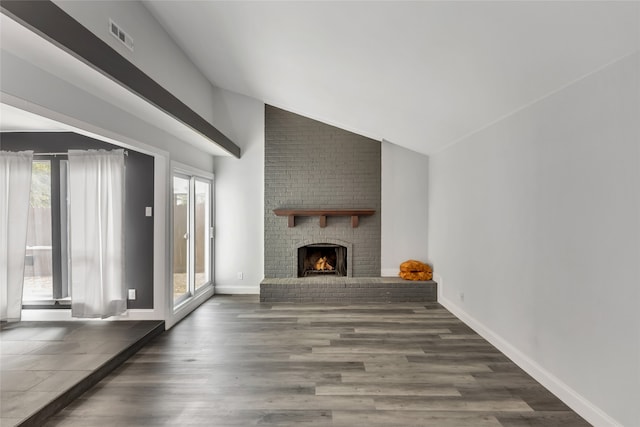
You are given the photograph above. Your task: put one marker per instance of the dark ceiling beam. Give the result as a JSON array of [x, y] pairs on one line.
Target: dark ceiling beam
[[49, 21]]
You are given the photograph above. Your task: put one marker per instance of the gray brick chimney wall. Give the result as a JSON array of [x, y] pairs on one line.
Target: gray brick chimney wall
[[309, 164]]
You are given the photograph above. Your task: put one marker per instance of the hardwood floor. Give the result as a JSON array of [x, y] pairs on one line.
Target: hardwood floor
[[236, 362]]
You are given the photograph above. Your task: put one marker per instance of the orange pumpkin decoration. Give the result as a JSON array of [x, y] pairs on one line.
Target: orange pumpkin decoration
[[415, 270]]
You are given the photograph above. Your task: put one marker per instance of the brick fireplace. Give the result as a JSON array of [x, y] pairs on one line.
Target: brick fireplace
[[322, 217], [311, 165], [323, 259]]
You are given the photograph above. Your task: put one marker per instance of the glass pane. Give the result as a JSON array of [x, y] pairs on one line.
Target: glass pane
[[61, 290], [202, 242], [180, 237], [38, 280]]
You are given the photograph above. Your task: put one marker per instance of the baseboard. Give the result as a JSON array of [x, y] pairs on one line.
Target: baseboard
[[237, 290], [570, 397], [142, 314], [64, 315], [389, 272]]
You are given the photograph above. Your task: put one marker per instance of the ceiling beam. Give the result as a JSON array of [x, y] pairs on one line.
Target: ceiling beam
[[49, 21]]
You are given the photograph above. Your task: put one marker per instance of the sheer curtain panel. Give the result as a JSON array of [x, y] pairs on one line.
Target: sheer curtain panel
[[96, 208], [15, 184]]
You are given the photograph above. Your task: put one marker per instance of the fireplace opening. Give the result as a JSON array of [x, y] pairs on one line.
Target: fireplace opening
[[322, 259]]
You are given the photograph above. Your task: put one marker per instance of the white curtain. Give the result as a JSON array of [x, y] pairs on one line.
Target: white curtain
[[15, 185], [96, 210]]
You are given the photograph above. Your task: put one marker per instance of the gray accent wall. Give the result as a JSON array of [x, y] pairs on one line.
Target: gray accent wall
[[309, 164], [138, 192]]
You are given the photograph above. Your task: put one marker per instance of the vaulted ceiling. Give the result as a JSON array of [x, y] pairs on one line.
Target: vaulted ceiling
[[422, 75]]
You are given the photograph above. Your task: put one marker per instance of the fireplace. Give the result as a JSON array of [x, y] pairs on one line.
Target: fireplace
[[322, 259], [311, 168]]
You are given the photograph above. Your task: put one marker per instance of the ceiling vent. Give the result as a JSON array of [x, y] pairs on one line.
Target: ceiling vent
[[117, 32]]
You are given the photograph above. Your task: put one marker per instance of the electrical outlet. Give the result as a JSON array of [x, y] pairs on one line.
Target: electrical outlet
[[240, 275], [148, 211], [132, 294]]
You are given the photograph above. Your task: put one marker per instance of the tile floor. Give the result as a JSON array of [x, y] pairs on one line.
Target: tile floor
[[40, 361]]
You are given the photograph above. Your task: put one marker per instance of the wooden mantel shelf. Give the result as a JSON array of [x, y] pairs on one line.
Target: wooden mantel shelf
[[355, 214]]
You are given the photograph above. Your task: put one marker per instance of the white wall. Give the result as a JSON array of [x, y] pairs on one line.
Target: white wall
[[154, 52], [240, 206], [404, 207], [536, 219], [239, 203], [25, 81]]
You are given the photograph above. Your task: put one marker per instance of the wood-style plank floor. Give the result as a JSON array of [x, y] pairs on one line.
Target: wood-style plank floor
[[236, 362]]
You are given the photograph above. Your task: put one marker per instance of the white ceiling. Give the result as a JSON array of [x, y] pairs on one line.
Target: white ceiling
[[16, 120], [419, 74], [29, 46]]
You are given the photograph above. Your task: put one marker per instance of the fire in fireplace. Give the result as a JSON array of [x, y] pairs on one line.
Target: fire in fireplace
[[322, 258]]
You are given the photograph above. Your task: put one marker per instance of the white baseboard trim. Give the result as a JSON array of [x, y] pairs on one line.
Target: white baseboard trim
[[48, 315], [570, 397], [64, 315], [237, 290], [389, 272], [141, 314]]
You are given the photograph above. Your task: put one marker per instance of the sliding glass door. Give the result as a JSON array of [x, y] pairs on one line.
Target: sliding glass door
[[46, 282], [192, 235], [202, 236], [38, 271], [180, 238]]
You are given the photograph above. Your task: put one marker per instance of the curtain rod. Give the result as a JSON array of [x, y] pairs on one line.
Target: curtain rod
[[126, 153]]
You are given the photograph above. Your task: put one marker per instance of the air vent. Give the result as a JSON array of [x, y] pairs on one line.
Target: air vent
[[117, 32]]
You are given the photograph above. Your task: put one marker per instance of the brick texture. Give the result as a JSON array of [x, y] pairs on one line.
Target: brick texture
[[346, 290], [309, 164]]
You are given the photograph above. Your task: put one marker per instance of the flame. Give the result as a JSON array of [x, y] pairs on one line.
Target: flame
[[322, 264]]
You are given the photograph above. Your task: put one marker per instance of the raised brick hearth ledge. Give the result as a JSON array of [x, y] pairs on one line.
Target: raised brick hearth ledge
[[347, 290]]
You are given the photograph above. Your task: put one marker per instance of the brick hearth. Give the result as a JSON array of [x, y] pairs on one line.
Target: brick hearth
[[346, 290]]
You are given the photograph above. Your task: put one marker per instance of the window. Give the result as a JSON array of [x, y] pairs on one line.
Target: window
[[202, 218], [192, 236], [46, 265]]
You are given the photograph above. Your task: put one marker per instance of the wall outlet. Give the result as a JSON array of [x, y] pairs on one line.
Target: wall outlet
[[240, 275], [148, 211], [132, 294]]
